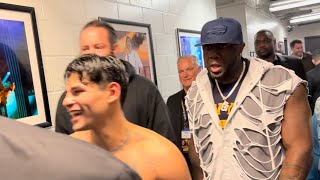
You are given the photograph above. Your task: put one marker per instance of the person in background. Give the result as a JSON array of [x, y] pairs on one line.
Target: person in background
[[94, 88], [249, 119], [314, 79], [188, 68], [133, 57], [145, 107], [28, 152], [264, 43], [314, 173], [297, 51]]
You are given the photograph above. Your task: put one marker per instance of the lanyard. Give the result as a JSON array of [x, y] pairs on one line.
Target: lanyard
[[184, 115]]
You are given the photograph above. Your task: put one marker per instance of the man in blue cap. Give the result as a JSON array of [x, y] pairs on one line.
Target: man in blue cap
[[249, 119]]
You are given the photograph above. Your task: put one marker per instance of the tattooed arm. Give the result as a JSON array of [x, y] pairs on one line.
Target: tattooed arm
[[296, 136]]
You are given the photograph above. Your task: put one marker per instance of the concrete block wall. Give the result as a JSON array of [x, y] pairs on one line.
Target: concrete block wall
[[59, 23]]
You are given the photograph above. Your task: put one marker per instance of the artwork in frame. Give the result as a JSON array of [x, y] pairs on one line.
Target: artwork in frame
[[23, 91], [187, 39], [134, 44]]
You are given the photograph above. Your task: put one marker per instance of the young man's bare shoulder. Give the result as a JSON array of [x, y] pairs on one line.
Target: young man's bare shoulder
[[155, 152], [153, 143]]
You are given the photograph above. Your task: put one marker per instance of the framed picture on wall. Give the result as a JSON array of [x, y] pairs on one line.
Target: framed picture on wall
[[187, 39], [23, 92], [134, 44]]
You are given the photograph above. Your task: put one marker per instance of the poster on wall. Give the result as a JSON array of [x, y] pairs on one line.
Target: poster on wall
[[134, 44], [23, 94], [187, 39]]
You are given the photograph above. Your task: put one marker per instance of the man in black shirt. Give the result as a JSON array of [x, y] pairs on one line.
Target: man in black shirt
[[264, 44], [314, 79]]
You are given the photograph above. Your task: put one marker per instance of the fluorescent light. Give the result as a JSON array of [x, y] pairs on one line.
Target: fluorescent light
[[303, 18], [289, 4]]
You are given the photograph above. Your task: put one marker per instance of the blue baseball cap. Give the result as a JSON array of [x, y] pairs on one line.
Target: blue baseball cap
[[221, 30]]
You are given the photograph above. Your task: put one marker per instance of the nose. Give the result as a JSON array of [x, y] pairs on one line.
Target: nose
[[184, 74], [261, 45], [67, 101], [211, 54]]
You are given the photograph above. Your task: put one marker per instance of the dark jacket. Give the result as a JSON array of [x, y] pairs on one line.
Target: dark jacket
[[176, 113], [177, 119], [29, 152], [292, 63], [314, 85], [307, 62], [143, 106]]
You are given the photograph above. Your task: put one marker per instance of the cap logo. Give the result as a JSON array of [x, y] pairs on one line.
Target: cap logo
[[217, 30]]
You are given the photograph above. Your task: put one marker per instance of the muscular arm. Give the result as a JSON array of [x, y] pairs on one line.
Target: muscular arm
[[296, 136], [196, 171]]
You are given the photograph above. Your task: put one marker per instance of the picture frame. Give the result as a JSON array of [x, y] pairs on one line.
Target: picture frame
[[134, 44], [186, 40], [23, 88]]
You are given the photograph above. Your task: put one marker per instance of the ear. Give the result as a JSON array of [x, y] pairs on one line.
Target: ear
[[115, 47], [241, 46], [113, 91], [199, 69]]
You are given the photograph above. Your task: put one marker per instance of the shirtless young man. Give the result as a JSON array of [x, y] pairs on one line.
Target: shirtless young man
[[95, 88]]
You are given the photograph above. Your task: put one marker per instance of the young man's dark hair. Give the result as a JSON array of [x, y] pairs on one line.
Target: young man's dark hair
[[100, 70]]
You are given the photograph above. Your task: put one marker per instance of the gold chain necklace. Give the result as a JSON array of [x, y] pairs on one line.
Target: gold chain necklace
[[121, 145], [225, 104]]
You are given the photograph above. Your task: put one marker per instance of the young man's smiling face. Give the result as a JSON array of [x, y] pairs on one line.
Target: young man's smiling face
[[85, 101]]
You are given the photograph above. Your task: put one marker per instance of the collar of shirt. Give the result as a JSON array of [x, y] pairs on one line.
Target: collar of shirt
[[297, 56]]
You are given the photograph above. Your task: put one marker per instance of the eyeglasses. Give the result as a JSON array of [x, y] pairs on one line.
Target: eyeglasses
[[220, 46]]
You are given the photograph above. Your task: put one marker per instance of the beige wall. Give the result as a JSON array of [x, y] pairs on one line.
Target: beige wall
[[59, 23]]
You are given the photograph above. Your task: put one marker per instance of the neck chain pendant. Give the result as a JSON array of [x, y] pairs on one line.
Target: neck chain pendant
[[225, 105]]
